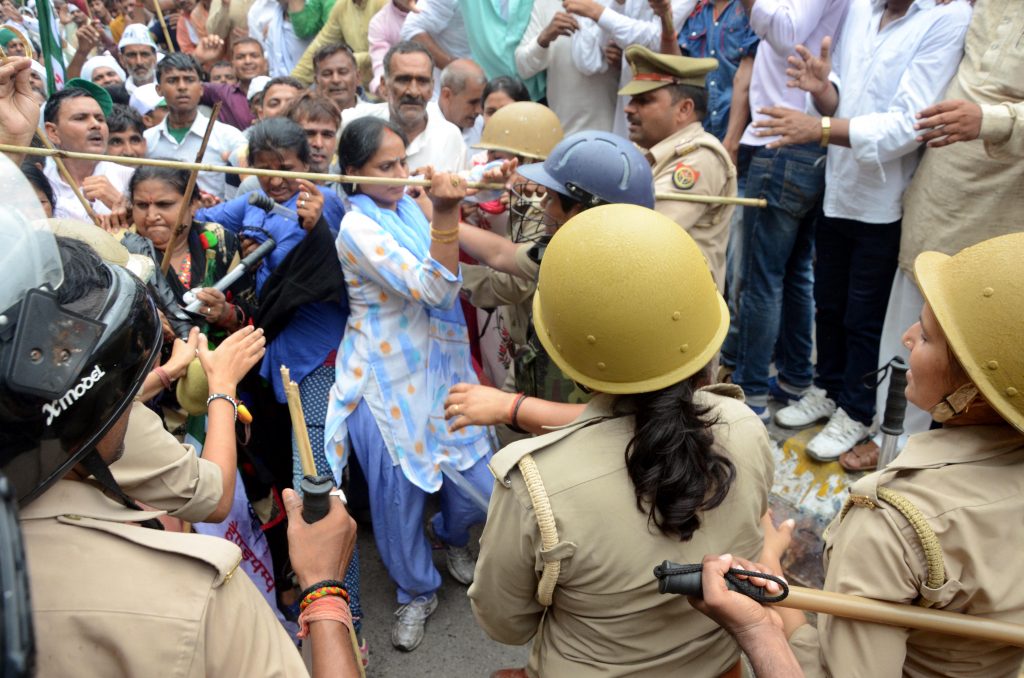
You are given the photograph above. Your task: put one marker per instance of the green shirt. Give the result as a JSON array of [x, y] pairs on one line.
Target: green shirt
[[308, 21], [179, 133]]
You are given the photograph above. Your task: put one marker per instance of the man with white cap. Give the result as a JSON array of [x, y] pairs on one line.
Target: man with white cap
[[138, 49], [37, 79], [149, 104], [103, 70]]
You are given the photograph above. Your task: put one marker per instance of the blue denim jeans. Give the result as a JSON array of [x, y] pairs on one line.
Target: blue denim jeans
[[852, 279], [734, 249], [776, 307]]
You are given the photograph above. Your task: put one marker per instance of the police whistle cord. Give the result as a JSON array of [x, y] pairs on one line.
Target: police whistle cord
[[316, 490], [247, 264], [324, 178], [686, 580]]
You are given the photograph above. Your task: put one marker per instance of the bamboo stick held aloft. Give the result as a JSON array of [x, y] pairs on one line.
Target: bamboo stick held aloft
[[180, 225], [291, 391]]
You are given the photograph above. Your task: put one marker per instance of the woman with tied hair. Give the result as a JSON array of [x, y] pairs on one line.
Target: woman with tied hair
[[405, 345], [658, 466]]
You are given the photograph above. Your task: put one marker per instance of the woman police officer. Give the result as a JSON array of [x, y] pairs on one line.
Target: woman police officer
[[954, 493], [658, 465]]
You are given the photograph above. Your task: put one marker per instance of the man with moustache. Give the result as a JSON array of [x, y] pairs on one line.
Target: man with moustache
[[668, 101], [320, 118], [139, 53], [336, 75], [75, 119], [408, 86]]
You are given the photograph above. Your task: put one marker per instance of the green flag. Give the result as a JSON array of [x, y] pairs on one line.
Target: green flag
[[49, 39]]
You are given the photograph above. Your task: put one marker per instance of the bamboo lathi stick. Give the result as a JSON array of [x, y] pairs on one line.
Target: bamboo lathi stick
[[291, 391], [186, 204], [62, 168], [340, 178], [907, 616], [163, 26]]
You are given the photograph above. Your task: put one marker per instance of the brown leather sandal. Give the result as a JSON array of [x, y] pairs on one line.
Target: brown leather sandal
[[863, 457]]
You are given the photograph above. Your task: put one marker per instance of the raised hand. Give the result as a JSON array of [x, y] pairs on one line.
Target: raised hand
[[233, 359], [209, 49], [19, 103], [561, 24], [588, 8], [809, 72], [310, 204]]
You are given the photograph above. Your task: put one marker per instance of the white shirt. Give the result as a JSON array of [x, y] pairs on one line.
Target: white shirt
[[441, 20], [782, 25], [885, 77], [66, 204], [581, 102], [439, 145], [224, 141], [269, 25]]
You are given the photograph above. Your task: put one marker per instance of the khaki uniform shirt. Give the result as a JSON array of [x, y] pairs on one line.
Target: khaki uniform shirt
[[969, 484], [487, 288], [111, 599], [159, 471], [693, 162], [607, 617], [971, 191]]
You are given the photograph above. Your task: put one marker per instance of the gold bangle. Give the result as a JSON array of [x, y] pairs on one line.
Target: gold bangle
[[826, 130], [449, 231], [449, 239]]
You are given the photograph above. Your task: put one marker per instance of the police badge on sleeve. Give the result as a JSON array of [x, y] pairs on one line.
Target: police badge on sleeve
[[684, 177]]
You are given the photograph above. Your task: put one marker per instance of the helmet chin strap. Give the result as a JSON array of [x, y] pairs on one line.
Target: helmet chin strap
[[94, 463], [956, 403]]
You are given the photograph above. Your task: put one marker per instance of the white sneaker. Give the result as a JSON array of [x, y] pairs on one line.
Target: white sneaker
[[814, 406], [461, 564], [407, 631], [839, 435]]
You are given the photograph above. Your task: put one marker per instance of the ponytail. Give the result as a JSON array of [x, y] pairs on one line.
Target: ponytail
[[675, 472]]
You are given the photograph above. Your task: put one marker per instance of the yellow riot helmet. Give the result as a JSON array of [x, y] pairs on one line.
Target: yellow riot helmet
[[625, 301], [977, 296], [523, 128]]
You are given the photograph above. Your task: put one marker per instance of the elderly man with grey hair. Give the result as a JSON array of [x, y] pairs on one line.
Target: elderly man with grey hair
[[461, 97]]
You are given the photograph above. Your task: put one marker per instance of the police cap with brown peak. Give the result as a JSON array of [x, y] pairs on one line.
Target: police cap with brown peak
[[652, 70]]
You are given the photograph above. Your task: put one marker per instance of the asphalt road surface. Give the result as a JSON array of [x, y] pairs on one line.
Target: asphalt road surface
[[454, 645]]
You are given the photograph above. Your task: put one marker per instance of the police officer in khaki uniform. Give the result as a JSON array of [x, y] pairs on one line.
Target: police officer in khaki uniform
[[527, 131], [668, 103], [940, 526], [574, 529], [584, 170], [110, 597]]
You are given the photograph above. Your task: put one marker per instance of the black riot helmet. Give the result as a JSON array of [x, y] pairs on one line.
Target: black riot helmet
[[72, 358]]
